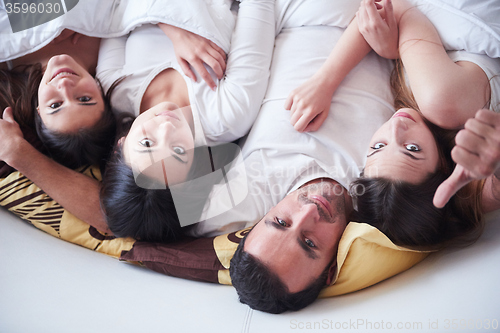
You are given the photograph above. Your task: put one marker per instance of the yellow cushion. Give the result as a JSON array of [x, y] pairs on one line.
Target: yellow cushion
[[365, 257], [25, 199]]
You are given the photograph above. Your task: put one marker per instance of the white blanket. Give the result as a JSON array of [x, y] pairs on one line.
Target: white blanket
[[211, 19]]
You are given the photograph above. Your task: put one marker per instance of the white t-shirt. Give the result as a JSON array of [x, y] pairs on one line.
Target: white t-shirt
[[226, 114], [277, 158], [490, 66]]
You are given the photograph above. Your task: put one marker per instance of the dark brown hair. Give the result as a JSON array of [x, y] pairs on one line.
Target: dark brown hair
[[19, 89]]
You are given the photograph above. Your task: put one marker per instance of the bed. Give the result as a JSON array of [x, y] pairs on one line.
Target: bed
[[49, 285]]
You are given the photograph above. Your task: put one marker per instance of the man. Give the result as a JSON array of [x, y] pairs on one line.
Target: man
[[298, 181]]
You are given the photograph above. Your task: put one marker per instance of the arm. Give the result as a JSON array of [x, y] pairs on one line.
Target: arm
[[446, 92], [64, 185], [242, 90], [310, 103], [194, 50]]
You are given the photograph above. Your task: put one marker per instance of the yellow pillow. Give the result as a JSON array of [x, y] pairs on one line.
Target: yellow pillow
[[365, 257], [23, 198]]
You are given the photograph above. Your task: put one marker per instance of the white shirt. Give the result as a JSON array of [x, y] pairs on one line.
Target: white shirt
[[277, 158], [226, 114], [490, 66]]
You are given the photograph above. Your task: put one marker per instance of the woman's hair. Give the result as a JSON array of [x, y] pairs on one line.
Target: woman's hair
[[149, 214], [405, 212], [19, 89]]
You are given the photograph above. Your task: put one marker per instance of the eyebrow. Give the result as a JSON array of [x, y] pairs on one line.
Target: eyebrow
[[309, 252], [401, 151]]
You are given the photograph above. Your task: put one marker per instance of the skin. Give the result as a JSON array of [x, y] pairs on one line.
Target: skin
[[162, 133], [69, 98], [403, 148], [298, 238]]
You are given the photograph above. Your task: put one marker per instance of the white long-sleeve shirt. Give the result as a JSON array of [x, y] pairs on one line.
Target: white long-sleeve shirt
[[277, 158], [226, 114]]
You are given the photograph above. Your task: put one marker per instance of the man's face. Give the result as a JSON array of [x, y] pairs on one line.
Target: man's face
[[298, 238]]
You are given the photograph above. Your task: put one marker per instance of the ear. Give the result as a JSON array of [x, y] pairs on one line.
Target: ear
[[121, 141], [332, 272], [38, 109]]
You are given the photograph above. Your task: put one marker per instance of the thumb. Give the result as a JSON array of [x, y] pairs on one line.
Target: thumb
[[7, 115], [458, 179]]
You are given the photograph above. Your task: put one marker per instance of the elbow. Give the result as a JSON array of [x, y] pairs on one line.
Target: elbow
[[445, 112]]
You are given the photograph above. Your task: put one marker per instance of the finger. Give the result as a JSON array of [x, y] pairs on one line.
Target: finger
[[215, 61], [187, 70], [470, 141], [76, 37], [289, 101], [488, 117], [316, 123], [450, 186], [390, 18], [371, 10], [303, 121], [479, 128], [479, 167], [219, 50], [295, 114], [205, 75], [8, 115]]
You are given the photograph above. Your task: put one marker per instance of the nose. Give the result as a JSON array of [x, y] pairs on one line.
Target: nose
[[307, 215], [65, 83], [398, 128]]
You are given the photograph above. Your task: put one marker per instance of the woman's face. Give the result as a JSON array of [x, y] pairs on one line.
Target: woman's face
[[160, 144], [69, 98], [402, 149]]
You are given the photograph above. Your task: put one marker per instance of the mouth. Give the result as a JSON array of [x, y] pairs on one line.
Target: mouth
[[404, 115], [323, 202], [169, 114], [63, 72]]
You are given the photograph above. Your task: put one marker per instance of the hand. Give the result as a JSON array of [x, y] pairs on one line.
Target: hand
[[309, 105], [477, 154], [10, 136], [194, 50], [377, 24], [67, 34]]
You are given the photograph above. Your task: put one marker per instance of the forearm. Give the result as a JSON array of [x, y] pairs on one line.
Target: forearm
[[77, 193], [347, 53]]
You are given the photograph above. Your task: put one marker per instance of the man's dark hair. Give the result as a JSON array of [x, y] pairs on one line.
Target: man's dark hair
[[263, 290]]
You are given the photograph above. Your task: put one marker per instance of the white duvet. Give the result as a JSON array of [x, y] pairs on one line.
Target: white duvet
[[211, 19]]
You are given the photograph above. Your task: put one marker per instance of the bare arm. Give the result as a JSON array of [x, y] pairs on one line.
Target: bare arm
[[310, 103], [447, 93], [76, 192]]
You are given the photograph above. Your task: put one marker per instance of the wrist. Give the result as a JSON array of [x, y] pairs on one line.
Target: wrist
[[20, 154]]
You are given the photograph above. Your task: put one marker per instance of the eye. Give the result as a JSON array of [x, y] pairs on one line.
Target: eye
[[378, 145], [281, 222], [146, 143], [55, 105], [179, 150], [412, 147], [85, 99], [309, 242]]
